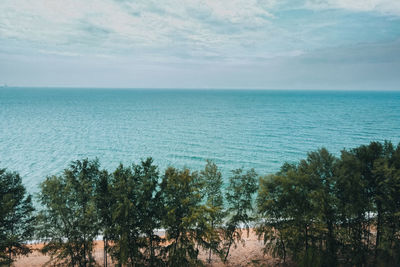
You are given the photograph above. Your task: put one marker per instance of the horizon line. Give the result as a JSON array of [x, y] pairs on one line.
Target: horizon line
[[5, 86]]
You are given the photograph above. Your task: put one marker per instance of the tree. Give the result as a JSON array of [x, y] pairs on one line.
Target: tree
[[391, 244], [286, 209], [149, 210], [353, 211], [386, 172], [320, 169], [69, 220], [367, 157], [185, 218], [239, 198], [298, 206], [104, 204], [212, 180], [364, 167], [125, 227], [271, 209], [136, 210], [16, 217]]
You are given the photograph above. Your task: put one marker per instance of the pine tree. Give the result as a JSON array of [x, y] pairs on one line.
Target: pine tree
[[131, 210], [272, 209], [149, 210], [285, 205], [16, 217], [239, 198], [104, 203], [125, 231], [185, 218], [322, 211], [212, 180], [320, 168], [69, 219]]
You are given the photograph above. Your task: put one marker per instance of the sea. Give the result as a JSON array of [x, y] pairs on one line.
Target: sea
[[43, 129]]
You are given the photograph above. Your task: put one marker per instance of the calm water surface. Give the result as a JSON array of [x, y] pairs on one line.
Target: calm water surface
[[42, 130]]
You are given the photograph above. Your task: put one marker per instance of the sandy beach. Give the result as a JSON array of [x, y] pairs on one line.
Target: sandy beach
[[248, 255]]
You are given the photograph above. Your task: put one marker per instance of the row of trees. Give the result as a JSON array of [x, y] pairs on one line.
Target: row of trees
[[329, 211], [127, 207], [321, 211]]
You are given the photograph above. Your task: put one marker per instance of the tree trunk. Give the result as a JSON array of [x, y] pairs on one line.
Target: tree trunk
[[306, 233], [84, 252], [284, 250], [209, 254], [331, 245], [378, 230], [151, 250], [229, 247], [369, 231], [105, 251], [9, 255]]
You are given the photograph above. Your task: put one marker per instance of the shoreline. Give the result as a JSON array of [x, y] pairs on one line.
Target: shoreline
[[250, 254]]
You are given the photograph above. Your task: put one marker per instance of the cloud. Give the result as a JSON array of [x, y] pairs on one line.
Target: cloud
[[391, 7], [202, 29], [189, 39], [367, 66], [130, 25]]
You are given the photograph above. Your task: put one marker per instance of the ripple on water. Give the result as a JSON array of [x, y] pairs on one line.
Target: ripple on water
[[42, 130]]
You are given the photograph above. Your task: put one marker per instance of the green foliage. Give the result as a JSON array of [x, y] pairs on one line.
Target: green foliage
[[104, 203], [370, 204], [150, 210], [320, 170], [16, 217], [125, 219], [212, 179], [239, 198], [285, 208], [321, 211], [326, 211], [69, 220], [136, 210], [185, 219]]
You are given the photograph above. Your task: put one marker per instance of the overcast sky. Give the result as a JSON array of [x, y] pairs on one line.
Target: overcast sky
[[271, 44]]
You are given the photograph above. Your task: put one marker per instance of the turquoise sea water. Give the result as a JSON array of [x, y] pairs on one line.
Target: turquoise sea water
[[42, 130]]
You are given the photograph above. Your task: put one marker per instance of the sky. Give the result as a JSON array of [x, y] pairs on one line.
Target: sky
[[238, 44]]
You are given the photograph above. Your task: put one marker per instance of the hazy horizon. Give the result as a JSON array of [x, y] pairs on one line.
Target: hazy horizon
[[197, 88]]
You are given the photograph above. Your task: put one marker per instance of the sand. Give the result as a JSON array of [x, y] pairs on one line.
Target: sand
[[248, 255]]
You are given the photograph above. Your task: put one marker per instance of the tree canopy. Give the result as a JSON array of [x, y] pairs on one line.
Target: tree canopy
[[69, 219], [334, 211], [324, 210], [16, 217]]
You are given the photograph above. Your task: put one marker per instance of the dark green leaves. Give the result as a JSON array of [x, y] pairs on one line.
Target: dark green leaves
[[239, 198], [69, 221], [328, 211], [212, 179], [184, 220], [322, 211], [16, 217], [136, 211]]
